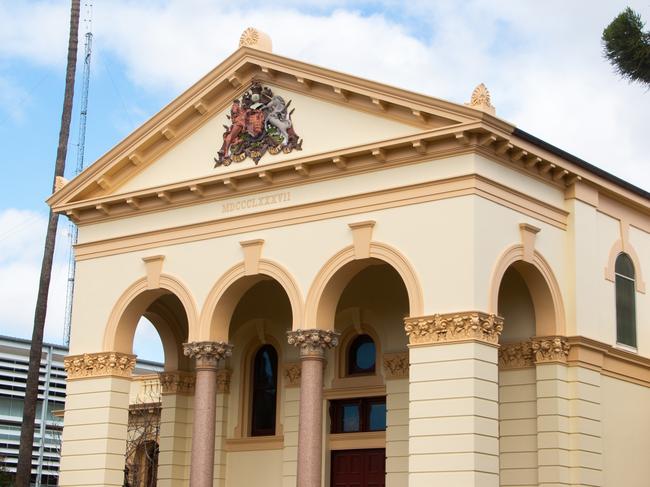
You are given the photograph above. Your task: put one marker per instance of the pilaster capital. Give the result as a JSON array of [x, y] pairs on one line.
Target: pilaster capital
[[516, 355], [550, 349], [177, 382], [396, 365], [292, 372], [313, 343], [207, 354], [454, 327], [223, 380], [99, 365]]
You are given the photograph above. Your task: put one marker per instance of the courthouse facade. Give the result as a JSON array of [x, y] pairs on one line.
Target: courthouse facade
[[357, 285]]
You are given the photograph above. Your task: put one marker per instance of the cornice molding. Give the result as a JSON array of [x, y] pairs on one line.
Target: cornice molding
[[101, 364], [454, 327]]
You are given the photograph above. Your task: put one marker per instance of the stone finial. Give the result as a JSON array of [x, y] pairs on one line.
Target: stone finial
[[313, 342], [207, 354], [256, 39], [480, 100]]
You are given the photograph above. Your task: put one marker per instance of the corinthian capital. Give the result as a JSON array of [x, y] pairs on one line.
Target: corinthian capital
[[99, 364], [207, 354], [454, 327], [550, 349], [313, 343]]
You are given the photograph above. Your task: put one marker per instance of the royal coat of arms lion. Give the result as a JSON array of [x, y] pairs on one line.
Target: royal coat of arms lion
[[259, 122]]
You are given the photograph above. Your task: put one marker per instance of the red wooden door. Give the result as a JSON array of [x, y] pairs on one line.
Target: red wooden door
[[359, 468]]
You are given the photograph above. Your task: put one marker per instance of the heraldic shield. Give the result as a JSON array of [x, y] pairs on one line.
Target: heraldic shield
[[260, 122]]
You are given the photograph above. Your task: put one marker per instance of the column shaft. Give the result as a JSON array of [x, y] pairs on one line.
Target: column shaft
[[312, 344], [310, 423], [207, 355]]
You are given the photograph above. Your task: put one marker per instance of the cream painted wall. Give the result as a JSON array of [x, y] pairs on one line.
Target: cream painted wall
[[626, 433], [343, 126], [247, 469]]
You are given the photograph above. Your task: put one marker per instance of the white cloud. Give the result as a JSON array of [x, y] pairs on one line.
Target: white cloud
[[545, 70], [22, 234]]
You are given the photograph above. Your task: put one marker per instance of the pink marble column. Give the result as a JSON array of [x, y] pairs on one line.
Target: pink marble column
[[207, 356], [312, 344]]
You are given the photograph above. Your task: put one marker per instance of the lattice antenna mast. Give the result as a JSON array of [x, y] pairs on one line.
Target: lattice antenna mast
[[81, 147]]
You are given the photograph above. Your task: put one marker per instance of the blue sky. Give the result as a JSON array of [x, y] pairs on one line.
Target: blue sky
[[541, 61]]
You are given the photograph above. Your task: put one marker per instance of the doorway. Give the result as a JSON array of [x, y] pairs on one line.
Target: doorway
[[359, 468]]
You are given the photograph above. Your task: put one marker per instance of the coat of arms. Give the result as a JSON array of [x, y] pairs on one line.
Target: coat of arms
[[259, 122]]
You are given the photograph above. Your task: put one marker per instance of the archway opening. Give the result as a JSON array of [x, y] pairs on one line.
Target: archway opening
[[369, 301], [257, 329], [526, 304]]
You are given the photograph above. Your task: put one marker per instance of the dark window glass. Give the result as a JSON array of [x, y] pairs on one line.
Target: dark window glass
[[362, 355], [625, 301], [377, 416], [350, 418], [265, 380], [358, 415]]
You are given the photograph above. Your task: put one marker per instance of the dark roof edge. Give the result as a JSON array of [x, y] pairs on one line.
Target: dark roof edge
[[581, 163]]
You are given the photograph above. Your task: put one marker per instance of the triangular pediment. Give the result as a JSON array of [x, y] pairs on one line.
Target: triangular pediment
[[322, 126], [332, 112]]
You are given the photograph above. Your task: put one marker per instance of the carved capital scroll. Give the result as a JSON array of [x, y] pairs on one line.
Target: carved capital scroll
[[396, 365], [313, 343], [207, 354], [454, 327], [99, 364], [550, 349], [177, 382], [516, 355]]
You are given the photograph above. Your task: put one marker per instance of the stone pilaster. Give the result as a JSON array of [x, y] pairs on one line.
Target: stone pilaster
[[396, 374], [453, 400], [517, 415], [175, 428], [291, 380], [97, 400], [207, 356], [221, 432], [550, 355], [312, 345]]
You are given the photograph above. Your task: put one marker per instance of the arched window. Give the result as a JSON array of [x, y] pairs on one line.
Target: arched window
[[362, 356], [625, 301], [265, 391]]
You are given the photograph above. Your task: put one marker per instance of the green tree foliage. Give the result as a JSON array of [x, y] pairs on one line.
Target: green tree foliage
[[627, 46]]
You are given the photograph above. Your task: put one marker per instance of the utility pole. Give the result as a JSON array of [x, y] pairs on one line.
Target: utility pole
[[24, 468]]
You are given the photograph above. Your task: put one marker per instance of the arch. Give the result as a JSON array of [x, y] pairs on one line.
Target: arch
[[544, 289], [229, 289], [617, 249], [328, 284], [136, 302]]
